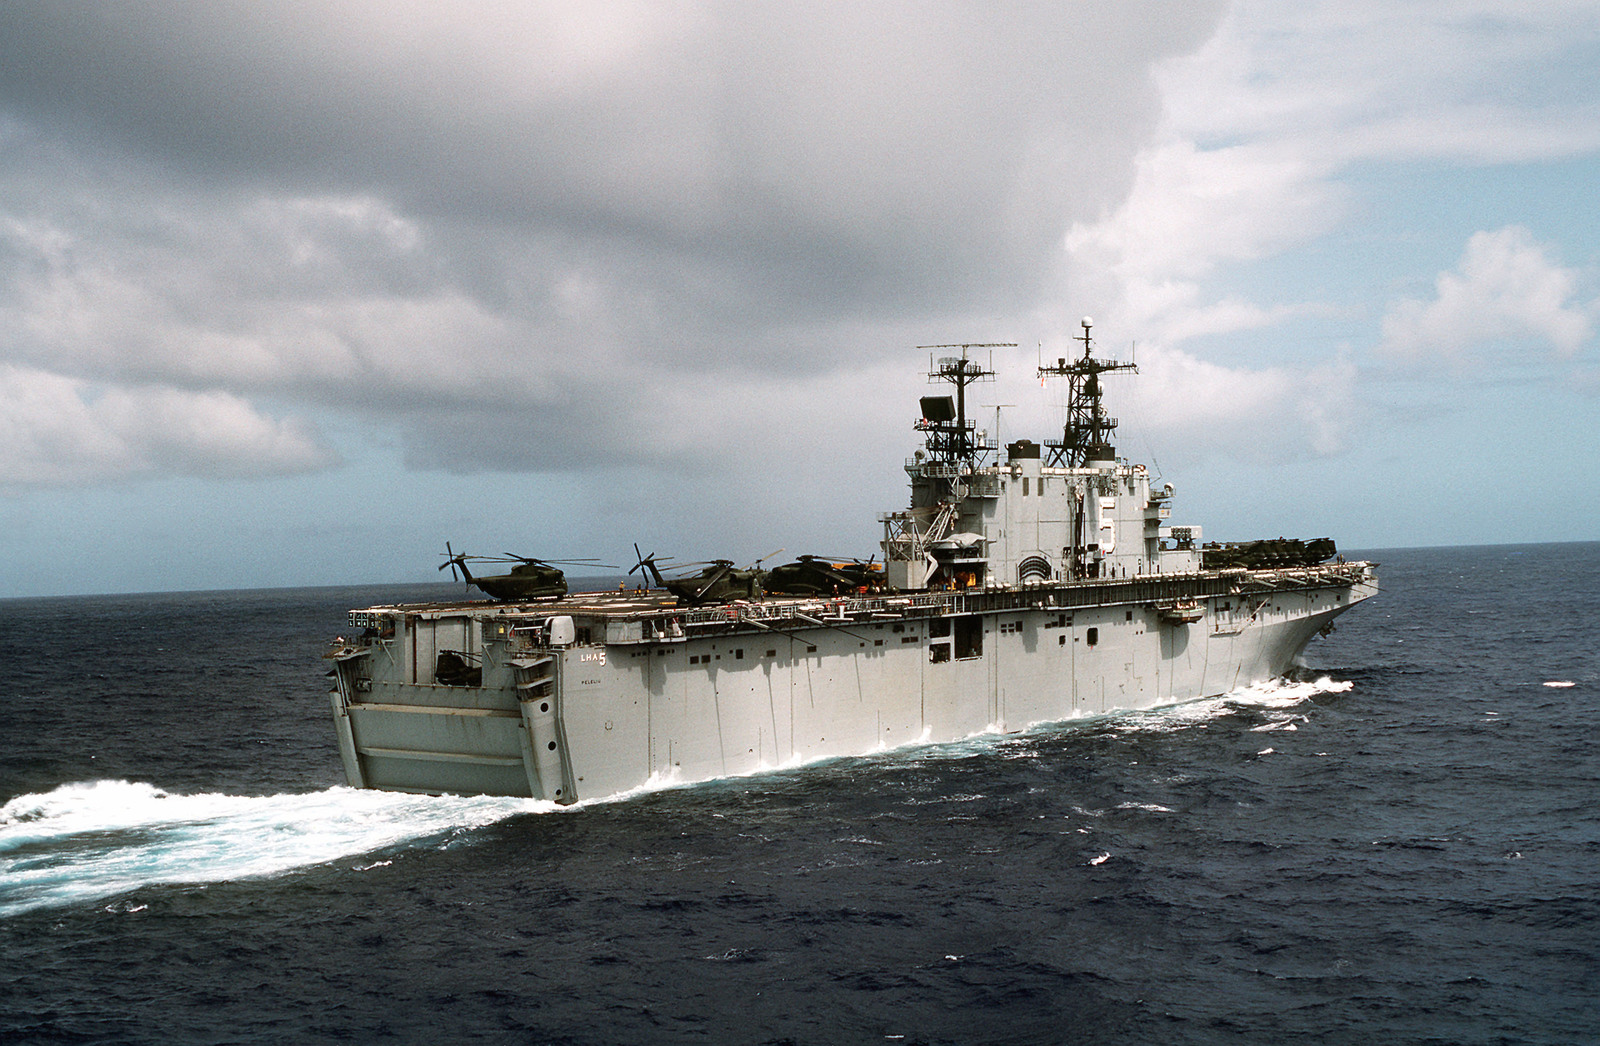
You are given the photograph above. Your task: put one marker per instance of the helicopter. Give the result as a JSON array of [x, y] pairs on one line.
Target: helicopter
[[825, 575], [529, 579], [718, 581]]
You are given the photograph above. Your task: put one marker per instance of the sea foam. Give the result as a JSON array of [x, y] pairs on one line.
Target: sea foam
[[91, 840]]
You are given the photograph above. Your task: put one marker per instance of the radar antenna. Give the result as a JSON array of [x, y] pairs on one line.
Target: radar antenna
[[1086, 436], [952, 437]]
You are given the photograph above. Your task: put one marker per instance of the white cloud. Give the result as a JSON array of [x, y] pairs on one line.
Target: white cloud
[[1263, 120], [1505, 287], [331, 300], [1483, 80], [1261, 126], [56, 430], [1195, 407], [1191, 210]]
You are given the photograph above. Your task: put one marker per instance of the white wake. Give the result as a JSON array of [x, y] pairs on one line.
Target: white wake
[[87, 841], [1276, 699]]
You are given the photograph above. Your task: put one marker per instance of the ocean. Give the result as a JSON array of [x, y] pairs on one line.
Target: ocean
[[1400, 843]]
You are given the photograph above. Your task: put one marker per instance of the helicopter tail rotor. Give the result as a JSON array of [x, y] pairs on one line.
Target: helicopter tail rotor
[[453, 561], [646, 567]]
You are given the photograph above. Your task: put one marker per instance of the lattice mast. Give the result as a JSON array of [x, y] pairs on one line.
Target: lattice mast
[[1087, 433], [952, 437]]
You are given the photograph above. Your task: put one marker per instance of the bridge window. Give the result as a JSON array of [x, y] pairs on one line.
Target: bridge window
[[1093, 636]]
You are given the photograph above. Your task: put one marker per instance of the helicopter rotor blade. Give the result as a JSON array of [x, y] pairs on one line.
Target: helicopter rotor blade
[[723, 569], [450, 560], [646, 567], [512, 557]]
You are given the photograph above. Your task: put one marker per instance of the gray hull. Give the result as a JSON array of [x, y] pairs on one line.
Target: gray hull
[[597, 695]]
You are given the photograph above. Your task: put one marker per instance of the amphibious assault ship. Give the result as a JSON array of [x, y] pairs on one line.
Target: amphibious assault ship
[[1031, 588]]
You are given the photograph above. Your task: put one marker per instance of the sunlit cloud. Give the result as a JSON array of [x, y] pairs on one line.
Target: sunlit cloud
[[1505, 287], [56, 430], [1261, 128]]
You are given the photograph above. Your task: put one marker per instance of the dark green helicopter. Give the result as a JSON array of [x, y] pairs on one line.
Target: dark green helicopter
[[529, 579], [825, 575], [718, 581]]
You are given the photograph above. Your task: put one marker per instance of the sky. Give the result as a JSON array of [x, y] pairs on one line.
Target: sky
[[292, 294]]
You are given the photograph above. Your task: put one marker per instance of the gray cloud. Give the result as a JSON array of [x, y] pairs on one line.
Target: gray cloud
[[478, 226]]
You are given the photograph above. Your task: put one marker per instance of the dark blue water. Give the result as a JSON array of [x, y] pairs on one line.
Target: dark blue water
[[1403, 847]]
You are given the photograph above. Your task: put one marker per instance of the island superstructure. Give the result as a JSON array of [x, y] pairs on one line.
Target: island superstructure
[[1016, 590]]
